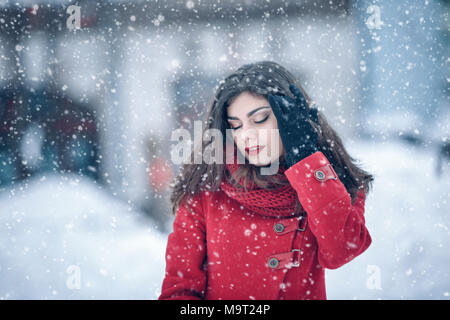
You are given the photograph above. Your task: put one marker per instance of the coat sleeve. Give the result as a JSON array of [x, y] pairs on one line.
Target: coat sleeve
[[337, 224], [185, 276]]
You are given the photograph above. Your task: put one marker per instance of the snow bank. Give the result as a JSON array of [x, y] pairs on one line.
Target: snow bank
[[62, 237]]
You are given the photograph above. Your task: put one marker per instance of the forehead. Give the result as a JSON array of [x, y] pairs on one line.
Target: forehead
[[246, 102]]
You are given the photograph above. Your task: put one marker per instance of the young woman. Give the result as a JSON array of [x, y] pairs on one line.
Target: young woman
[[242, 234]]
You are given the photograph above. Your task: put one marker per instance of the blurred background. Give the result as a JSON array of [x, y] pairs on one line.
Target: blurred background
[[90, 92]]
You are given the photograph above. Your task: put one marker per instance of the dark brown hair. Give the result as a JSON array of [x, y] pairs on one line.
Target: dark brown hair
[[260, 79]]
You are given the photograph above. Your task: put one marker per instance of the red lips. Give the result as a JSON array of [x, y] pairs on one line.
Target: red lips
[[254, 151]]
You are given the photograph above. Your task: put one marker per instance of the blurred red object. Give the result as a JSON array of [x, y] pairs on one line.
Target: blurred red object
[[160, 174]]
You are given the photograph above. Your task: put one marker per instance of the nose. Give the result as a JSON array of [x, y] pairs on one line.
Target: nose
[[250, 136]]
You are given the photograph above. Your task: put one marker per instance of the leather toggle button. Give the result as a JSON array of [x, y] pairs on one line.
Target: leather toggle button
[[320, 175], [273, 263], [289, 225], [278, 227], [325, 173], [285, 260]]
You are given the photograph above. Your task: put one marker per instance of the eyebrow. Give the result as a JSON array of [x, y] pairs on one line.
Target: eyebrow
[[250, 113]]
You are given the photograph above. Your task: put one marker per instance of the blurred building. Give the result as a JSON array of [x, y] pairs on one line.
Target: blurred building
[[404, 68]]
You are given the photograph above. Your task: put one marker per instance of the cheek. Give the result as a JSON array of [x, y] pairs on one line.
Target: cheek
[[275, 143], [272, 133], [236, 138], [239, 142], [268, 137]]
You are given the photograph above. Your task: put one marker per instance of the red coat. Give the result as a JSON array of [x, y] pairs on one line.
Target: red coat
[[220, 250]]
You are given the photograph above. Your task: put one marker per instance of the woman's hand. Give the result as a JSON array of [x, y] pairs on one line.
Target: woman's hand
[[297, 134]]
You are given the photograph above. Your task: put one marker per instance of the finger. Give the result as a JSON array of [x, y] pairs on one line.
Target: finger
[[275, 105], [314, 113], [299, 97], [286, 103]]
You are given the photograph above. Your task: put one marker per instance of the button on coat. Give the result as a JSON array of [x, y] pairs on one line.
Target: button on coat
[[279, 227]]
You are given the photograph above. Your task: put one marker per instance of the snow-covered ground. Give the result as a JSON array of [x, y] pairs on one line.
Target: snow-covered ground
[[62, 237]]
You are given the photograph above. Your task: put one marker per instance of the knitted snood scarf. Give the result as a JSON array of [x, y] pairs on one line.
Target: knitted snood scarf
[[278, 202]]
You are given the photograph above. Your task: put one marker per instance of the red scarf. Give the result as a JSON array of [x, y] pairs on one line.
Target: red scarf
[[279, 202]]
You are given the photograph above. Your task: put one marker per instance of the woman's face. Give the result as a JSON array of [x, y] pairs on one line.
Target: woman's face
[[254, 124]]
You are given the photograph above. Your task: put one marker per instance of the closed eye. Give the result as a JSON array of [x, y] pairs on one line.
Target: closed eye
[[259, 121], [263, 120]]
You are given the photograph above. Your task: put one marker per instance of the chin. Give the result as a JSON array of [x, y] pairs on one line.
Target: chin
[[263, 160], [259, 163]]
